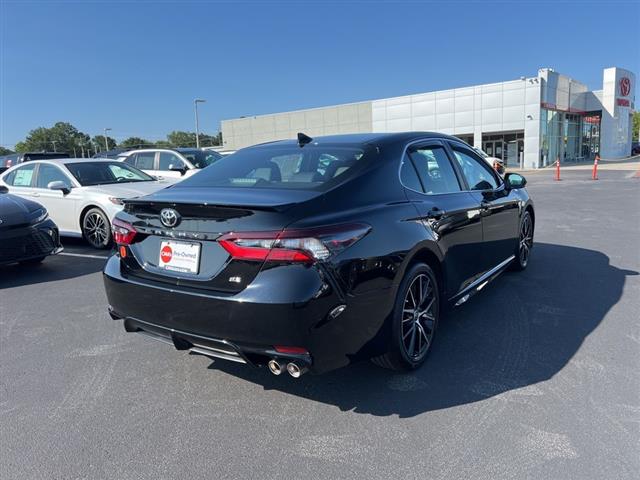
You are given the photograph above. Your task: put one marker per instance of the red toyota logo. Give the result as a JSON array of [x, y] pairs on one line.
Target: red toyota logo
[[166, 253], [625, 86]]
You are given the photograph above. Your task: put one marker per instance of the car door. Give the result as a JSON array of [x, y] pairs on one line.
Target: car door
[[167, 161], [500, 208], [20, 181], [62, 207], [445, 208]]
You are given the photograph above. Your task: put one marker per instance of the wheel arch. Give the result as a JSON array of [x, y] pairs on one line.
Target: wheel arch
[[427, 255], [84, 211]]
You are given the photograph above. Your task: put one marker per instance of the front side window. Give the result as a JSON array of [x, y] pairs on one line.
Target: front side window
[[434, 169], [21, 177], [50, 173], [168, 161], [104, 173], [200, 158], [478, 174], [314, 167]]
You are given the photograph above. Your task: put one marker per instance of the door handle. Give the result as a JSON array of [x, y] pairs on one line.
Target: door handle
[[35, 194], [435, 213]]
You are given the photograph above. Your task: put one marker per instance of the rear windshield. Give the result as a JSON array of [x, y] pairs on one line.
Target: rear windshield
[[312, 167]]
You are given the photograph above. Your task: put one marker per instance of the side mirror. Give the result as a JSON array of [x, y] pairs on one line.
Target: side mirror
[[182, 169], [3, 189], [59, 185], [514, 180]]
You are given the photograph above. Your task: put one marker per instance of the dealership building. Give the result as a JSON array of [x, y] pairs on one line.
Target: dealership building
[[529, 122]]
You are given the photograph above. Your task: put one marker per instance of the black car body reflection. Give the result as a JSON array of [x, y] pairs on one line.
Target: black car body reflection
[[27, 234], [309, 255]]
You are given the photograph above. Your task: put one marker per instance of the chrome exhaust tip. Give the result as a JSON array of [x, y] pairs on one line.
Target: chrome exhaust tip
[[274, 367], [294, 370]]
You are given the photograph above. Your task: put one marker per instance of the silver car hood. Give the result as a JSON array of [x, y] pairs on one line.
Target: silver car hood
[[128, 190]]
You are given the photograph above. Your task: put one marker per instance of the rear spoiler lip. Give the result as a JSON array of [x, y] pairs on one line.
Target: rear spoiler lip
[[268, 208]]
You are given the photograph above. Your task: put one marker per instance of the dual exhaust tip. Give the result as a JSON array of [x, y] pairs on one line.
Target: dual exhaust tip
[[292, 368]]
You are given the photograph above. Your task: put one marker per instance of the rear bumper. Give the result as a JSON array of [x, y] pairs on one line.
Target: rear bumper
[[287, 305]]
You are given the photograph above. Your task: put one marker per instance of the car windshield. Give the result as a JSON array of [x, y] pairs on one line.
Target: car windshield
[[199, 158], [104, 173], [312, 167]]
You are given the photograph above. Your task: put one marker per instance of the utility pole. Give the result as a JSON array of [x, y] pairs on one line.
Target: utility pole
[[54, 145], [106, 143], [195, 103]]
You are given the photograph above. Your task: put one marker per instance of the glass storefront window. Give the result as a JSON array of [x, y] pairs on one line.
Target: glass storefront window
[[563, 136]]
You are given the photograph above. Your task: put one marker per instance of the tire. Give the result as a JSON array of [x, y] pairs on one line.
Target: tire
[[412, 333], [96, 228], [525, 242], [32, 261]]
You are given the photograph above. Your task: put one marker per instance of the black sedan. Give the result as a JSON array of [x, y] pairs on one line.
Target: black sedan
[[311, 254], [27, 234]]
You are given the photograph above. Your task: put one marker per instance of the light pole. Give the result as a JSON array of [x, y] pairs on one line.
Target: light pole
[[106, 143], [195, 104]]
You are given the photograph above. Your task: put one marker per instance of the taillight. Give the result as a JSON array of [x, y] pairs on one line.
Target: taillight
[[294, 245], [123, 232], [291, 350]]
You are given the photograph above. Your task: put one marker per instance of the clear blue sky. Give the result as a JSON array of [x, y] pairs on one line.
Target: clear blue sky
[[136, 67]]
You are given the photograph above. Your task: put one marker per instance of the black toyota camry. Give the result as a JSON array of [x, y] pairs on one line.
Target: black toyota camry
[[27, 234], [315, 253]]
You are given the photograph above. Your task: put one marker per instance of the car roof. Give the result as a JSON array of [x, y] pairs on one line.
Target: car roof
[[62, 161], [367, 138]]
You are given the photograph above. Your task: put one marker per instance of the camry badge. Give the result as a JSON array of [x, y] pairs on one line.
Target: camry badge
[[169, 217]]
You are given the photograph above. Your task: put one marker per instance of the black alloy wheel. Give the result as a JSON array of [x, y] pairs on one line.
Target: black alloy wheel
[[525, 242], [416, 315], [96, 229]]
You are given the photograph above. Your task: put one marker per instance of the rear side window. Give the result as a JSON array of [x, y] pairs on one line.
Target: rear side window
[[21, 177], [312, 167], [434, 170], [409, 176], [477, 173], [144, 160]]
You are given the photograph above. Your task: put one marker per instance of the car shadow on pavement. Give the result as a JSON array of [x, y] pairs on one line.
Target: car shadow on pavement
[[521, 330], [50, 270]]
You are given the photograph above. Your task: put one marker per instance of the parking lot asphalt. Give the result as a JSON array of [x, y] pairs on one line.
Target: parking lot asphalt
[[536, 377]]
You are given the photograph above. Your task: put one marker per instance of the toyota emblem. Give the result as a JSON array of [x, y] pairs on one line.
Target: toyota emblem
[[169, 217], [625, 86]]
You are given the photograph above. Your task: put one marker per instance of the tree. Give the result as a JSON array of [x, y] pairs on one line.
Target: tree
[[636, 127], [182, 139], [99, 143], [62, 137], [188, 139], [134, 142], [5, 151]]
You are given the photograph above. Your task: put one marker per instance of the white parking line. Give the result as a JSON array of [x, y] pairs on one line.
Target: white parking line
[[82, 255]]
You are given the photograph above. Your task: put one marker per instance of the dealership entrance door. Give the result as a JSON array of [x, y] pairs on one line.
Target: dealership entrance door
[[508, 147]]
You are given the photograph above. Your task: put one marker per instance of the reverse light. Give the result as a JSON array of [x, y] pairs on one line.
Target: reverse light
[[123, 232], [294, 245]]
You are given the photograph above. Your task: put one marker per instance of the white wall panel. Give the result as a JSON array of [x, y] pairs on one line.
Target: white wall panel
[[425, 123]]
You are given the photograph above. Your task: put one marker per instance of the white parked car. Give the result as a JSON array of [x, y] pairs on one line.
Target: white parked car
[[169, 163], [81, 195], [495, 162], [224, 153]]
